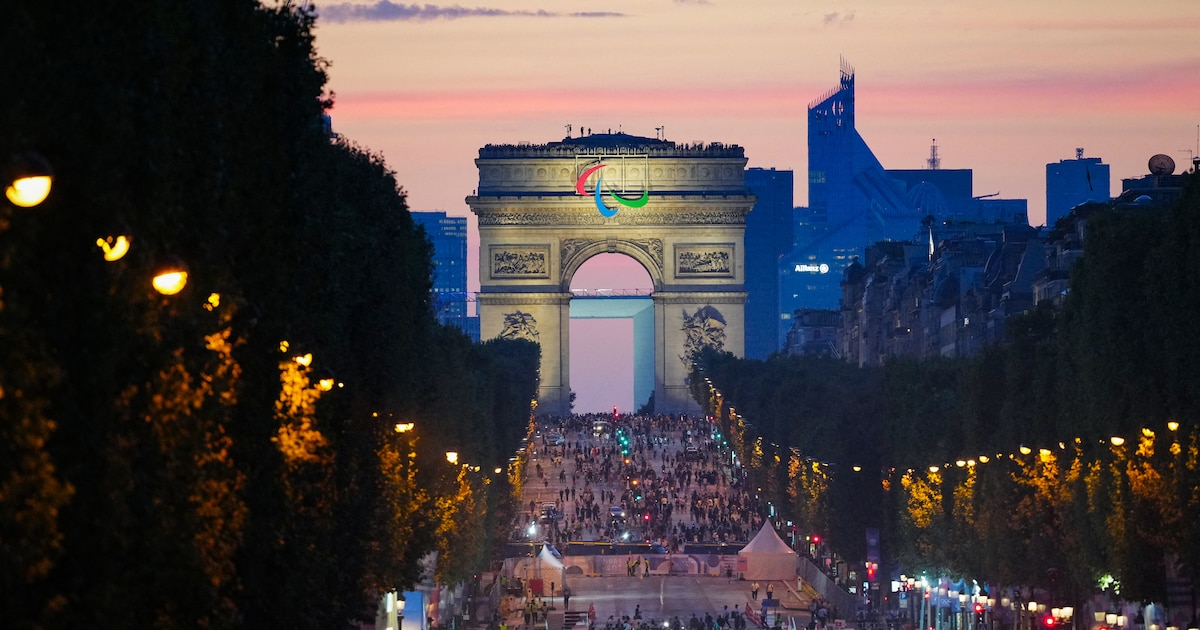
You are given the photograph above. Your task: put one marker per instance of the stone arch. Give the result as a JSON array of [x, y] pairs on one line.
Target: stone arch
[[643, 253], [684, 228]]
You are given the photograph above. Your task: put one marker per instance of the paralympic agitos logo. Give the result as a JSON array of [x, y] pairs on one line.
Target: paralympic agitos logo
[[606, 211]]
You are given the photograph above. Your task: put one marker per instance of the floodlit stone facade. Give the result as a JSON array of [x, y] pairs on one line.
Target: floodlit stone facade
[[680, 211]]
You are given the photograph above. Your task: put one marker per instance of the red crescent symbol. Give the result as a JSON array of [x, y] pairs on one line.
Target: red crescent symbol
[[584, 176]]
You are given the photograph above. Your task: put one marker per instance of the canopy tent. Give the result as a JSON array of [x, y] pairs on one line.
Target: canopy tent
[[548, 561], [544, 570], [767, 557]]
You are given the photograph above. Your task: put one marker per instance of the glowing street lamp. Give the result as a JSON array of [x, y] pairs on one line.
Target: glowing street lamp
[[452, 457], [324, 379], [28, 180], [114, 246], [171, 278]]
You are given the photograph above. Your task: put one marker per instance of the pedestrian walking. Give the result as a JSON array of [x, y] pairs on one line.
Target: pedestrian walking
[[770, 591], [754, 591]]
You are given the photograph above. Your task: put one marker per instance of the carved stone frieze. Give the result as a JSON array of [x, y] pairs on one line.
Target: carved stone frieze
[[572, 245], [714, 259], [703, 329], [652, 247], [520, 261], [519, 325]]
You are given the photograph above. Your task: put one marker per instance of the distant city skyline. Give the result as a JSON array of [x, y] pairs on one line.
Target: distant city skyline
[[1004, 88]]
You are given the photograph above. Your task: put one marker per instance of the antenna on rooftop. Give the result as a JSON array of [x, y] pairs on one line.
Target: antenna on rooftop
[[934, 161]]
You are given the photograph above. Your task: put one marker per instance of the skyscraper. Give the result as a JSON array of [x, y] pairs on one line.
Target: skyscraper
[[449, 238], [1072, 182], [769, 236], [852, 204]]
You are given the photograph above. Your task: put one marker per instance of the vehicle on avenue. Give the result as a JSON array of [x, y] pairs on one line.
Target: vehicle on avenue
[[550, 513]]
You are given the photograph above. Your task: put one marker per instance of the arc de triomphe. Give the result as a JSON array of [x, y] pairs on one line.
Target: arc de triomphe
[[678, 210]]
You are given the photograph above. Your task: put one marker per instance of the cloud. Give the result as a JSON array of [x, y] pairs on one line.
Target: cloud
[[385, 11], [839, 19], [540, 103]]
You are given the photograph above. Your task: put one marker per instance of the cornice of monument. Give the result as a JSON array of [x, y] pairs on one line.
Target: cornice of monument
[[716, 212], [518, 299], [700, 297]]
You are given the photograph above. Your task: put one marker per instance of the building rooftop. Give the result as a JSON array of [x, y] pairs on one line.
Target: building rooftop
[[610, 143]]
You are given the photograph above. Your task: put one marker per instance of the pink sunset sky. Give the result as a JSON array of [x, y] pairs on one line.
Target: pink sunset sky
[[1004, 87]]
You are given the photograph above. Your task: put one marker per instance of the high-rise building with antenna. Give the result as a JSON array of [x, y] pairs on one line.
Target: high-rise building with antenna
[[1072, 182], [852, 204]]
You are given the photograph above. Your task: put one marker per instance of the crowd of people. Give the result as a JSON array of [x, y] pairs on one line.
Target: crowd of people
[[659, 479], [726, 619], [656, 479]]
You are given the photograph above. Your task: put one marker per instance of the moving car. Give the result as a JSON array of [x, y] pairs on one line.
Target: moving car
[[550, 513]]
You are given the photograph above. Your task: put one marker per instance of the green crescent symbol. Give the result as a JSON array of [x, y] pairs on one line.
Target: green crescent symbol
[[632, 203]]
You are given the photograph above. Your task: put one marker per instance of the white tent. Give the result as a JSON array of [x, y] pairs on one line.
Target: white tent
[[767, 557], [548, 569]]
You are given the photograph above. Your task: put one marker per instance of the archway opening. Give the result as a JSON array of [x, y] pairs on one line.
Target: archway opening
[[610, 308]]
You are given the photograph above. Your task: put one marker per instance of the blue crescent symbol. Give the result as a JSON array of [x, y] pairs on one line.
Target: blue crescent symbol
[[605, 211]]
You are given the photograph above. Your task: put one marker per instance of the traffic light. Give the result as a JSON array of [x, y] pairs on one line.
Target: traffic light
[[978, 613], [1048, 621]]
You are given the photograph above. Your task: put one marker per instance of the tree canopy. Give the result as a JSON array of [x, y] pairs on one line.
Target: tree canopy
[[197, 459], [1067, 455]]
